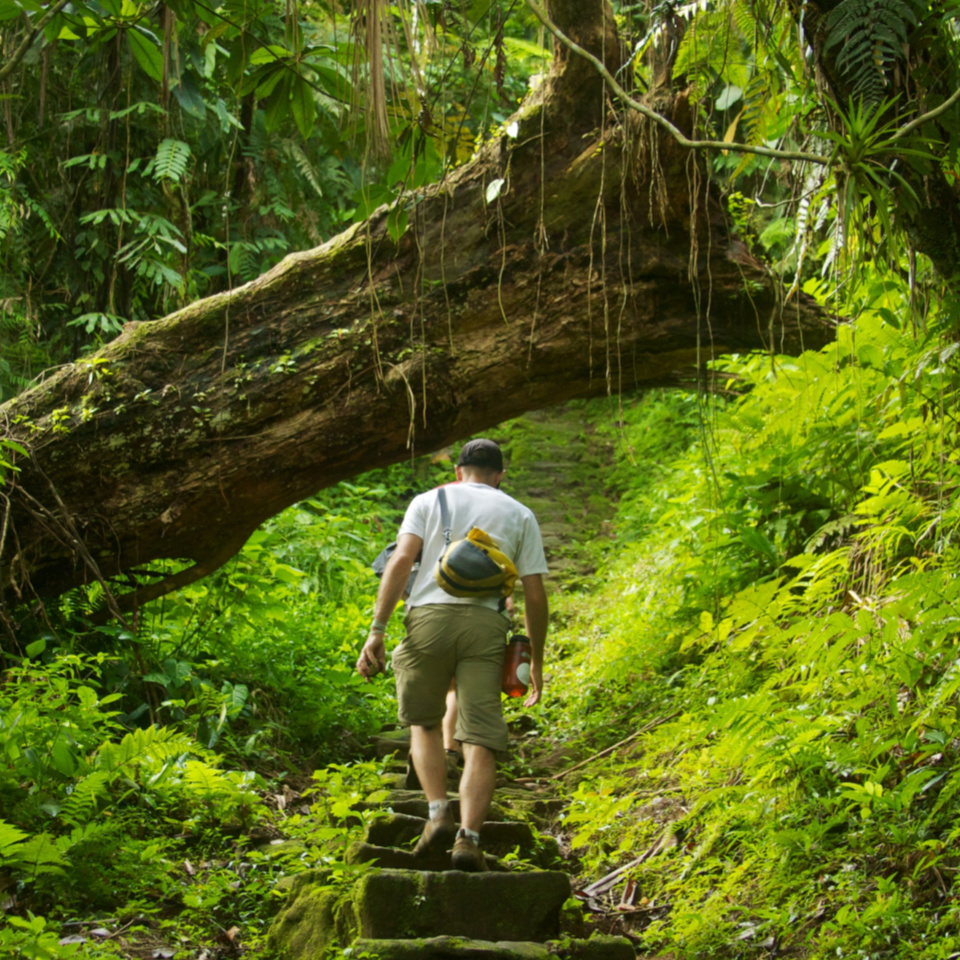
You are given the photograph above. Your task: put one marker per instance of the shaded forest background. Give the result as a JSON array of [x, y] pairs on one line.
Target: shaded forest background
[[764, 564]]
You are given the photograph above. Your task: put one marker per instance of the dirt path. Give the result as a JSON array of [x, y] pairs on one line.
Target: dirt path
[[557, 465]]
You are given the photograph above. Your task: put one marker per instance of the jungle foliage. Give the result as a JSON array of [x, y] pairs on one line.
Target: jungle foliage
[[123, 755], [784, 601], [157, 154]]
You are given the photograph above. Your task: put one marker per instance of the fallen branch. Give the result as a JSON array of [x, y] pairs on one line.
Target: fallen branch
[[601, 886], [633, 736]]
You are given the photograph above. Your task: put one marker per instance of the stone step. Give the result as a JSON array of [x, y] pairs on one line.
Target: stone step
[[414, 804], [496, 836], [395, 859], [396, 741], [408, 905], [402, 904], [457, 948], [451, 948]]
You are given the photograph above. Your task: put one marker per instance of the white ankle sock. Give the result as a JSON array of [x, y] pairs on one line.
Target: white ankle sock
[[438, 808], [470, 835]]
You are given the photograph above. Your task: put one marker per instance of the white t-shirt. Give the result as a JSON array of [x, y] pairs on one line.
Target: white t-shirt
[[510, 523]]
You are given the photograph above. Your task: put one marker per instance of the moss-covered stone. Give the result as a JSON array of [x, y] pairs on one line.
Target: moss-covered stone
[[395, 830], [462, 948], [286, 848], [498, 837], [319, 913], [596, 948], [451, 948], [393, 859], [399, 904]]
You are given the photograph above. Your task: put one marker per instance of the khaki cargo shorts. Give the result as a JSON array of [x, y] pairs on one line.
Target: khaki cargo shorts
[[446, 640]]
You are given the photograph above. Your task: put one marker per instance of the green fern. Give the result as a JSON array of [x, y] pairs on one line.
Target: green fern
[[302, 162], [81, 806], [871, 35], [171, 160], [153, 744]]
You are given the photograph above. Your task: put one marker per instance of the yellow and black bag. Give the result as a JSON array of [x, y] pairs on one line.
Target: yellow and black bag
[[474, 566]]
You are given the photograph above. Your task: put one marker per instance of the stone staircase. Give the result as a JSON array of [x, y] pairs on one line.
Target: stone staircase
[[398, 907]]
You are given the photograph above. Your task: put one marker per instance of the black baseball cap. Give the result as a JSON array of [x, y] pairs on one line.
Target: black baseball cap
[[481, 453]]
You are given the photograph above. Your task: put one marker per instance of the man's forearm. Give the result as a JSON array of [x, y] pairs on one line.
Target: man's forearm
[[536, 623], [535, 615], [394, 581]]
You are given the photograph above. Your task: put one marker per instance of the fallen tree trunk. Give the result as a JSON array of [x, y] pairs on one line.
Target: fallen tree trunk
[[602, 265]]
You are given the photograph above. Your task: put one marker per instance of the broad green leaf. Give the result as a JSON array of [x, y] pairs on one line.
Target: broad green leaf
[[397, 223], [302, 105], [731, 94], [236, 698], [268, 78], [189, 96], [269, 54], [333, 81], [16, 447], [277, 107], [36, 648], [370, 198], [146, 52], [62, 759], [10, 10]]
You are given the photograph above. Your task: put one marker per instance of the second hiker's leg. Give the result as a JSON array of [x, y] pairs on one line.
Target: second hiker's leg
[[450, 718], [476, 785], [429, 760]]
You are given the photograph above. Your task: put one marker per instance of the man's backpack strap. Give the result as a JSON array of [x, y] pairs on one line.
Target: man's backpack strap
[[444, 516]]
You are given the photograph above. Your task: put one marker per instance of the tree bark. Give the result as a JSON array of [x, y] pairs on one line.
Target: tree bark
[[603, 265]]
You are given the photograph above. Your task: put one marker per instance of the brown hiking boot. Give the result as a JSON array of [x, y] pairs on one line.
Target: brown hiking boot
[[436, 834], [467, 856]]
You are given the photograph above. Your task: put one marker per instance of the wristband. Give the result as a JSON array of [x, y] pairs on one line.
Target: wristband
[[378, 626]]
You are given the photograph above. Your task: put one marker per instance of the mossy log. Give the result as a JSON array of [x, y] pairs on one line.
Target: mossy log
[[603, 265]]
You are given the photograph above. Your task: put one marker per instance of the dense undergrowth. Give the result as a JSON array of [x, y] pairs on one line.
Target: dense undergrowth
[[779, 611], [126, 756]]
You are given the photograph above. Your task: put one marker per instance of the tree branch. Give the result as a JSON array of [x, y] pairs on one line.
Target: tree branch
[[675, 132], [27, 42], [684, 141], [928, 116]]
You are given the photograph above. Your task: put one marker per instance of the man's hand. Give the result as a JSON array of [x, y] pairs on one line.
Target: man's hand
[[536, 686], [373, 656]]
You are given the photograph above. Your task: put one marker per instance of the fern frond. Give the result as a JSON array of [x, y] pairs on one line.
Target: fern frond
[[759, 100], [81, 805], [302, 162], [871, 35], [150, 746], [171, 160]]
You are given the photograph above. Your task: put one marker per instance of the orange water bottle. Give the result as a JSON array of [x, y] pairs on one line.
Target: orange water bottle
[[516, 666]]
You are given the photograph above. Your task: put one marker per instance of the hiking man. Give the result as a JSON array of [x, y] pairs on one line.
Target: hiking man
[[458, 637]]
